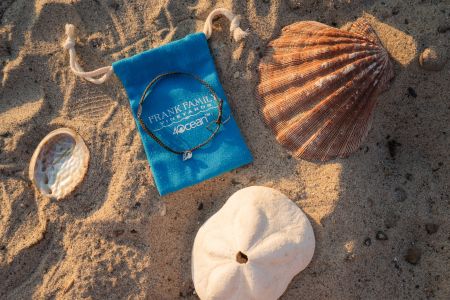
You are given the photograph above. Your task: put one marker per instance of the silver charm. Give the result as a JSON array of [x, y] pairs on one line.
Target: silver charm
[[187, 155]]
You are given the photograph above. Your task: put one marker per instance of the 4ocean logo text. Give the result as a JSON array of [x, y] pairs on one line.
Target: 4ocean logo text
[[178, 116]]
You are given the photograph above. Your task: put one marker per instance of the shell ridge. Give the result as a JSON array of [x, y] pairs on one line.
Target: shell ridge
[[310, 41], [325, 31], [325, 62], [292, 108], [314, 53], [307, 24], [319, 112], [274, 88], [349, 134], [368, 97], [365, 120], [319, 86], [363, 28], [311, 69], [326, 103]]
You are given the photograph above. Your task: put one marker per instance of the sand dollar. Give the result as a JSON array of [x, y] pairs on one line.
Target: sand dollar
[[252, 247]]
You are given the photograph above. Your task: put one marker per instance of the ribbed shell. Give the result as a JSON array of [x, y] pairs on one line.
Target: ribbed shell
[[318, 87], [59, 163]]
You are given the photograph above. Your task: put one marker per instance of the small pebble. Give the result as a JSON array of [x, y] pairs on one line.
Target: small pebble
[[413, 255], [396, 264], [252, 179], [294, 4], [433, 58], [95, 43], [118, 232], [349, 257], [235, 182], [368, 242], [5, 44], [113, 4], [6, 134], [187, 292], [431, 228], [395, 11], [391, 220], [384, 14], [400, 194], [412, 92], [236, 75], [162, 209], [392, 147], [443, 28], [381, 236]]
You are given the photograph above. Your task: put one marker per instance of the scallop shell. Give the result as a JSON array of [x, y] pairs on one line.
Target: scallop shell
[[319, 85], [59, 163]]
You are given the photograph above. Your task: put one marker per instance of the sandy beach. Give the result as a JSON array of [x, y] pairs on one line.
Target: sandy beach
[[381, 216]]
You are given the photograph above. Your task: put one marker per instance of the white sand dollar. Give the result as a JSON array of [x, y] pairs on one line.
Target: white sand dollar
[[252, 247], [59, 163]]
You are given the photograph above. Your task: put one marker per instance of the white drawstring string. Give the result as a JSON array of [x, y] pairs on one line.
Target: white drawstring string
[[104, 72], [100, 75], [238, 33]]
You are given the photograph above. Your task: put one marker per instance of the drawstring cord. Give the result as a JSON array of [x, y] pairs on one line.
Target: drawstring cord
[[236, 31], [104, 72], [100, 75]]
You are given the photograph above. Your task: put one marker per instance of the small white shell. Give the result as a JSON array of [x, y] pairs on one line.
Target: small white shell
[[59, 163]]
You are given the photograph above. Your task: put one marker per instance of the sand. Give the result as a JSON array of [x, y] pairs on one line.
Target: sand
[[115, 238]]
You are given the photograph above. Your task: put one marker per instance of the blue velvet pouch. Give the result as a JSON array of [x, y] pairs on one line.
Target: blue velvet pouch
[[181, 112]]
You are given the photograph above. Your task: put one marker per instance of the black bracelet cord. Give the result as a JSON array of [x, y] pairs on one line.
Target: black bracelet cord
[[186, 153]]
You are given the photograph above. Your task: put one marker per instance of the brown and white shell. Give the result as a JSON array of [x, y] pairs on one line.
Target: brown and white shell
[[319, 85], [59, 163]]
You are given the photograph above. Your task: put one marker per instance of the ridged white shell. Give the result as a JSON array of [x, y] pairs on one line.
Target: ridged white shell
[[59, 163], [318, 87]]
